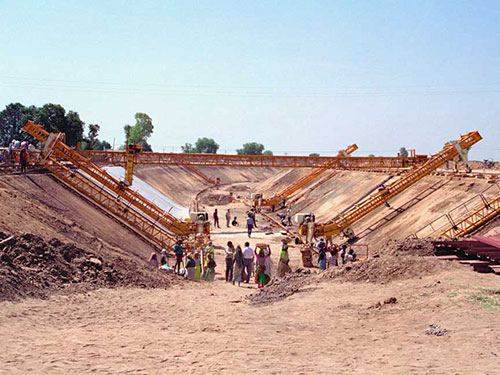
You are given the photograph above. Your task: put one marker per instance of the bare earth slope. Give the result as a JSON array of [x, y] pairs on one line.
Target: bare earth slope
[[39, 205]]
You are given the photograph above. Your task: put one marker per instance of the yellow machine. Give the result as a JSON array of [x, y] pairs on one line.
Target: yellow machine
[[260, 161], [55, 153], [259, 201], [342, 222], [132, 151]]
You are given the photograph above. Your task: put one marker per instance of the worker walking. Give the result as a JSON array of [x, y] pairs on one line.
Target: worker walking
[[250, 224], [216, 219], [252, 213], [228, 218]]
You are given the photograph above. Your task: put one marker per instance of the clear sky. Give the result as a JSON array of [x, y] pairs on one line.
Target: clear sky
[[297, 76]]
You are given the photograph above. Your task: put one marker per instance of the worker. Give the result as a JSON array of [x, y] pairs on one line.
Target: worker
[[252, 214], [261, 278], [350, 256], [197, 266], [238, 264], [321, 249], [248, 261], [208, 250], [289, 216], [179, 255], [250, 224], [190, 267], [228, 218], [210, 271], [163, 257], [216, 219], [332, 260], [234, 223], [283, 267], [153, 260], [229, 261], [23, 160]]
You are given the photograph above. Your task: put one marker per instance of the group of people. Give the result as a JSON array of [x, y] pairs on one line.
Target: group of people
[[229, 222], [251, 221], [333, 255], [22, 158], [241, 263]]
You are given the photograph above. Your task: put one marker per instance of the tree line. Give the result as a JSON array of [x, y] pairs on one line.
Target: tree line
[[55, 118]]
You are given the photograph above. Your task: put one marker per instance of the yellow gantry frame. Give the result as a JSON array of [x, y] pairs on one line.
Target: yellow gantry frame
[[473, 219], [345, 220], [63, 152], [303, 181]]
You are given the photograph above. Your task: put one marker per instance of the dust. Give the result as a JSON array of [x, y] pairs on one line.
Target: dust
[[33, 267]]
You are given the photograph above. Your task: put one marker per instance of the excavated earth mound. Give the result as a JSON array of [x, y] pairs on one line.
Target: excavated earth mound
[[32, 267], [388, 268], [280, 288], [409, 246]]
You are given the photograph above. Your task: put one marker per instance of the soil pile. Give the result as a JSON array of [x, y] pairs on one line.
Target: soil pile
[[216, 199], [409, 246], [388, 268], [32, 267], [280, 288]]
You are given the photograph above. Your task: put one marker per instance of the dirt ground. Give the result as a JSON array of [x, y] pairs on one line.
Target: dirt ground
[[421, 317], [328, 328]]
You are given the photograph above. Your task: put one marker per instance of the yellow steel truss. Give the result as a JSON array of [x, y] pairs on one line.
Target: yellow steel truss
[[54, 146], [343, 221]]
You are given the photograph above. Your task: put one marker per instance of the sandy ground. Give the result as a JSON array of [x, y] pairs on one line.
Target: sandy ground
[[330, 327], [200, 328]]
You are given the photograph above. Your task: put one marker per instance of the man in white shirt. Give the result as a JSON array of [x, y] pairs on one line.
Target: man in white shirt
[[248, 256]]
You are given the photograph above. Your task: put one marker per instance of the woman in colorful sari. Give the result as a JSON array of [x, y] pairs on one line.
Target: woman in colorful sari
[[261, 277]]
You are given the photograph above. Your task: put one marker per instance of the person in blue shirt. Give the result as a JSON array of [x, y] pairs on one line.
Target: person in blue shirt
[[179, 256]]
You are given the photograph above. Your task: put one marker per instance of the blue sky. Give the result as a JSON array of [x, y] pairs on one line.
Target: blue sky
[[297, 76]]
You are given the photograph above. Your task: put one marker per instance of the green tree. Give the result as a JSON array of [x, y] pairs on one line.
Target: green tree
[[92, 142], [12, 120], [206, 146], [251, 148], [188, 148], [403, 152], [268, 153], [53, 117], [371, 156], [140, 132], [314, 154]]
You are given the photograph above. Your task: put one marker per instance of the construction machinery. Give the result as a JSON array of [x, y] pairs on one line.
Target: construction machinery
[[111, 157], [55, 154], [132, 150], [280, 198], [464, 218], [342, 223]]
